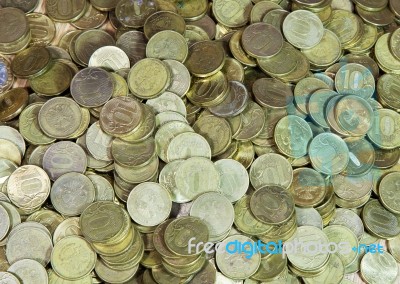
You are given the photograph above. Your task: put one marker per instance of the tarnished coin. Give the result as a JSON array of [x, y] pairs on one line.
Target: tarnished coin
[[64, 157], [308, 217], [388, 192], [9, 151], [12, 103], [237, 265], [180, 81], [272, 204], [69, 12], [387, 87], [292, 136], [73, 258], [149, 204], [28, 187], [272, 93], [205, 58], [98, 143], [303, 29], [352, 188], [252, 122], [379, 267], [31, 62], [262, 40], [121, 115], [109, 274], [133, 43], [209, 91], [60, 117], [216, 211], [68, 227], [141, 11], [386, 124], [329, 153], [195, 176], [26, 6], [234, 179], [168, 101], [304, 89], [181, 230], [109, 57], [362, 156], [42, 29], [317, 106], [233, 14], [167, 45], [187, 145], [92, 18], [133, 154], [17, 19], [29, 271], [379, 221], [148, 78], [36, 242], [349, 219], [384, 56], [271, 169]]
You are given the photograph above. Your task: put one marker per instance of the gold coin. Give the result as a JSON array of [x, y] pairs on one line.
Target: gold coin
[[384, 56], [171, 20], [379, 267], [10, 151], [167, 45], [235, 13], [385, 124]]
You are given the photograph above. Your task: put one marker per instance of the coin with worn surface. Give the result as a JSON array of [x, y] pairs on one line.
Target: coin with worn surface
[[167, 45], [271, 169], [196, 175], [379, 221], [93, 17], [272, 204], [262, 40], [167, 179], [234, 179], [60, 117], [28, 187], [72, 193], [388, 192], [292, 136], [388, 87], [272, 93], [308, 217], [42, 29], [329, 153], [205, 58], [12, 103], [149, 204], [110, 58], [68, 227], [349, 219], [148, 78], [29, 271], [308, 187], [216, 211], [352, 188], [385, 126], [26, 6], [69, 12], [303, 29], [134, 20], [9, 278], [31, 62], [355, 79], [37, 245], [170, 21], [304, 89], [133, 43], [379, 268], [111, 275], [346, 25], [138, 174], [317, 106], [180, 77], [237, 265], [121, 115], [168, 101], [252, 122], [64, 157], [187, 145], [9, 151], [17, 19], [73, 258], [181, 230], [133, 154], [233, 14], [384, 56]]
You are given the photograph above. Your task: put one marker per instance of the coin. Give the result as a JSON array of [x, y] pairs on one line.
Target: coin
[[271, 169], [93, 16], [138, 174], [237, 265], [230, 17], [167, 45], [9, 151], [173, 22], [272, 93], [387, 191], [137, 20], [379, 267], [362, 156], [113, 275], [367, 40], [385, 124], [12, 103], [252, 124], [384, 56], [387, 89], [110, 58], [68, 227], [187, 145], [61, 13], [31, 62], [168, 101], [346, 25], [308, 217], [180, 81], [29, 271], [329, 153], [149, 204], [386, 158], [9, 277]]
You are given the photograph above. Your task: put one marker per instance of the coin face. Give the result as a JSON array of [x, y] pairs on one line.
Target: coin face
[[9, 277], [379, 267], [272, 93], [12, 103], [28, 187], [271, 169], [180, 82], [168, 101], [235, 13], [29, 270], [109, 57], [237, 265], [329, 153], [149, 204], [9, 151], [272, 205], [187, 145], [387, 90], [167, 45], [133, 43], [20, 26], [136, 20], [385, 124], [388, 191], [262, 40]]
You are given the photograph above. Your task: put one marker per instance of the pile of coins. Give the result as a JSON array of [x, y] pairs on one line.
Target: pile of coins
[[140, 140]]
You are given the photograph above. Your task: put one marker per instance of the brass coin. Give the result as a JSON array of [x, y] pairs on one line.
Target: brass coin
[[304, 89], [272, 93], [167, 45], [148, 78], [9, 151], [53, 82], [17, 19], [260, 9], [386, 158], [133, 43], [60, 117], [98, 143], [109, 274], [92, 18], [12, 103], [42, 29], [379, 267], [205, 58], [268, 213], [29, 270], [253, 121], [121, 115], [171, 21], [133, 154], [232, 14], [180, 81], [68, 227], [124, 15], [73, 258], [104, 5], [71, 11], [184, 229], [27, 6], [238, 53], [346, 25], [31, 62], [168, 101], [384, 126], [378, 18], [384, 56], [64, 157], [318, 103], [262, 40], [145, 130], [367, 40], [387, 192], [329, 153], [187, 145], [387, 87]]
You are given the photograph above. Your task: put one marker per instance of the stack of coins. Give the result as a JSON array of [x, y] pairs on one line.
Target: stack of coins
[[19, 36]]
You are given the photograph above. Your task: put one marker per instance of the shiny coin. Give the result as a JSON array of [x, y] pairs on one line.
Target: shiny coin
[[149, 204], [384, 56], [61, 13], [318, 103], [98, 143], [187, 145], [385, 125], [303, 29], [329, 153], [378, 267], [9, 151], [29, 271], [73, 258], [31, 62], [271, 169], [346, 25], [272, 205], [237, 265], [232, 18], [308, 217], [109, 57]]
